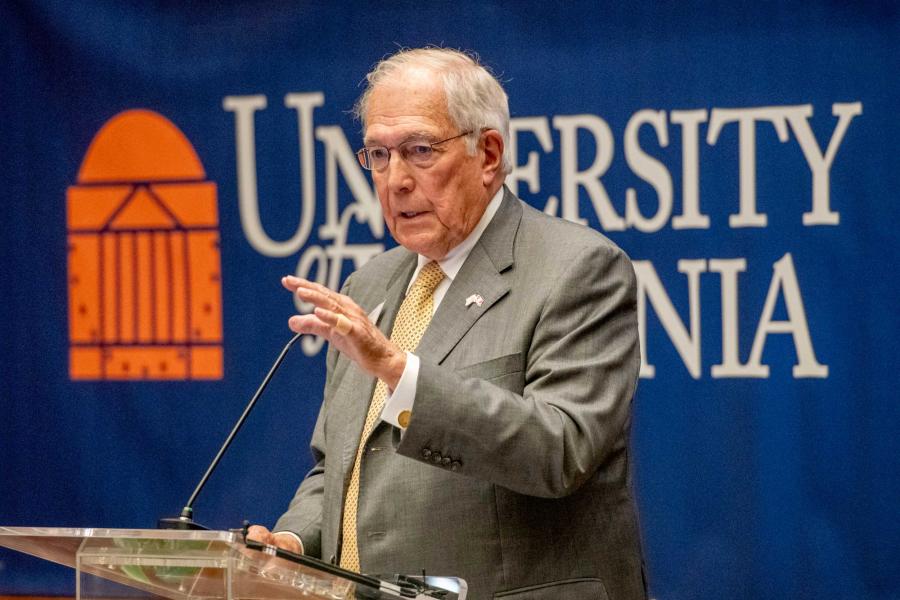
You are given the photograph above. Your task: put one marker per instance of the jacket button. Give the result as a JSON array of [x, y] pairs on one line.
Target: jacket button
[[446, 461], [455, 465], [436, 457], [426, 453]]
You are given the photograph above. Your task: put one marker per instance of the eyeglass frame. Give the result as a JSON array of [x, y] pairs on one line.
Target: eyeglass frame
[[362, 155]]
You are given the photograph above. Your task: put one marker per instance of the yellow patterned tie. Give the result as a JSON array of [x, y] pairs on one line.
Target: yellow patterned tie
[[412, 320]]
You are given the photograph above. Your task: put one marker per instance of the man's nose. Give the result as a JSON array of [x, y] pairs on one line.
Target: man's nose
[[399, 176]]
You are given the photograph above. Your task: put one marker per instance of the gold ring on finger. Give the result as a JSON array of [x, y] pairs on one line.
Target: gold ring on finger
[[343, 325]]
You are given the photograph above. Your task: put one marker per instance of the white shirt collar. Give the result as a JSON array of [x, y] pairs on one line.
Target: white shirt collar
[[453, 262]]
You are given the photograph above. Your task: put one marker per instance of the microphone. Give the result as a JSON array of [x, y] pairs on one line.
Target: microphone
[[185, 519]]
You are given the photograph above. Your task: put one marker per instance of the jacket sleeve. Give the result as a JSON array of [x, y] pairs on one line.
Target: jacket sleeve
[[304, 514], [550, 435]]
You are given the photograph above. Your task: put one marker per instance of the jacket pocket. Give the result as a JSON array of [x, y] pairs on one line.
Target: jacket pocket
[[493, 368], [583, 588]]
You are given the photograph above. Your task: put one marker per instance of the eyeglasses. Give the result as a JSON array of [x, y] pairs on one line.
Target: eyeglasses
[[416, 152]]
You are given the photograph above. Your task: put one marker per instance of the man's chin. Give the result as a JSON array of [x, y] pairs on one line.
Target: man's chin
[[423, 244]]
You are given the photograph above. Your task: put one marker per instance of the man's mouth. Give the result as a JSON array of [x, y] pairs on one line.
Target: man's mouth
[[410, 214]]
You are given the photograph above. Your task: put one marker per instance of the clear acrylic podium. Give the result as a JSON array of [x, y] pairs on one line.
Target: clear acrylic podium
[[186, 565]]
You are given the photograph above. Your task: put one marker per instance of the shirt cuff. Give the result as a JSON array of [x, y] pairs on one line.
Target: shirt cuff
[[293, 535], [399, 403]]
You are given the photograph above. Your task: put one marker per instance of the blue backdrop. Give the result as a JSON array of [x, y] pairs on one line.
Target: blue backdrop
[[744, 155]]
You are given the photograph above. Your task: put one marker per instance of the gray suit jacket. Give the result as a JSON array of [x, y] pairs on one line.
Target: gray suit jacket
[[513, 473]]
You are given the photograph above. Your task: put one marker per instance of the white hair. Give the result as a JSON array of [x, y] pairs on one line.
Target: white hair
[[475, 99]]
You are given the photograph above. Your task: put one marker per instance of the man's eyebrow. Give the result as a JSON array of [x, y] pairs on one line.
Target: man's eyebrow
[[424, 135]]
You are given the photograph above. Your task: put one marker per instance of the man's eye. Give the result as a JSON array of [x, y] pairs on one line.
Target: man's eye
[[378, 153], [418, 150]]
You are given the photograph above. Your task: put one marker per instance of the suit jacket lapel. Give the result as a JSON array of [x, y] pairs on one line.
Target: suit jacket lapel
[[481, 274]]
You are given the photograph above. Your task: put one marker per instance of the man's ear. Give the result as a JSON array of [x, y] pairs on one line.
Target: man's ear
[[492, 165]]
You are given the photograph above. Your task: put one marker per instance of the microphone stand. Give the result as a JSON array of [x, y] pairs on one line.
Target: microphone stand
[[185, 519]]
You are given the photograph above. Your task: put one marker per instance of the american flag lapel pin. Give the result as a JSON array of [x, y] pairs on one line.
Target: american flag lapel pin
[[476, 299]]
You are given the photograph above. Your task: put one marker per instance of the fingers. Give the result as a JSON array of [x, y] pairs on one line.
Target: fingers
[[320, 296], [336, 321], [293, 284], [340, 321], [323, 323], [287, 542], [281, 539], [310, 325], [327, 299], [260, 534]]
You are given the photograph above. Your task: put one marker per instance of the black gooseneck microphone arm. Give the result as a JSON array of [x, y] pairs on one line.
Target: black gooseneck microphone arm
[[185, 519]]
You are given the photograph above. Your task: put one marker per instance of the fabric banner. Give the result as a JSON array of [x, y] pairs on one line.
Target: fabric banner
[[163, 167]]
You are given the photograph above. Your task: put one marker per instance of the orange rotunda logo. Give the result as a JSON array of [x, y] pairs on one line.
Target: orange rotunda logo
[[145, 300]]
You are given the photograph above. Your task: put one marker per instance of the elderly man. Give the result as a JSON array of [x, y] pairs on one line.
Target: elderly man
[[477, 406]]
